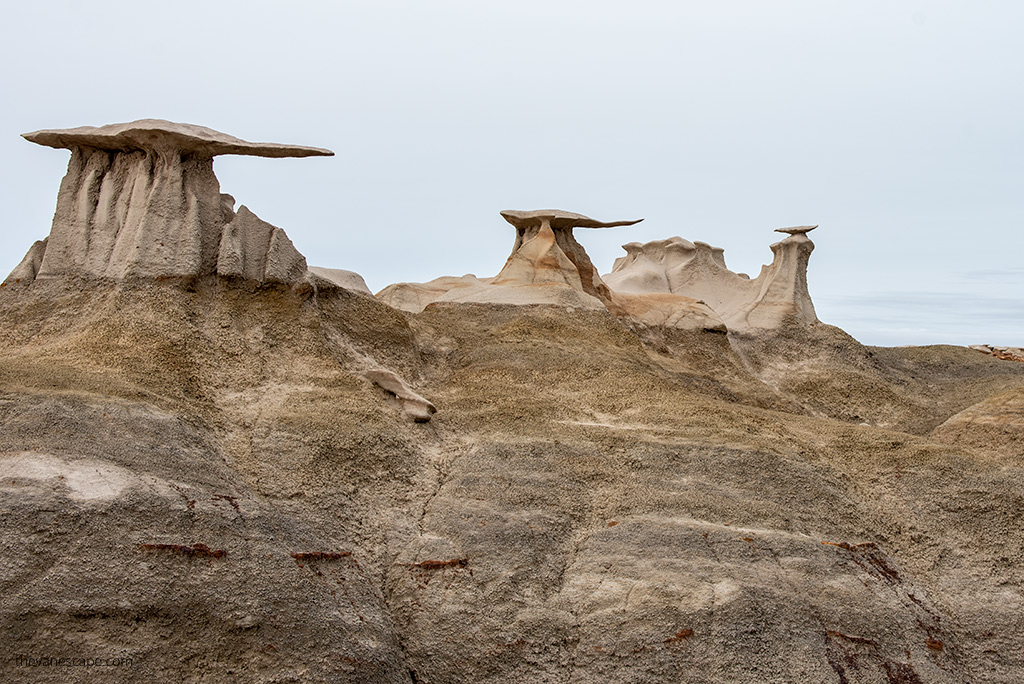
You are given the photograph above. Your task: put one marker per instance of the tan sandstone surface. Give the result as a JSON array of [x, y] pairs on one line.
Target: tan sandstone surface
[[585, 505], [238, 477]]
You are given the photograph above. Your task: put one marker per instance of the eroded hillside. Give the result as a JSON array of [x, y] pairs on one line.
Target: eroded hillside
[[220, 464], [592, 501]]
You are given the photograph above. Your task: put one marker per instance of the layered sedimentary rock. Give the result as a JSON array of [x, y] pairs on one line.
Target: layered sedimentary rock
[[1003, 353], [204, 482], [140, 200], [202, 479], [414, 297], [776, 298], [669, 283], [547, 266], [546, 253]]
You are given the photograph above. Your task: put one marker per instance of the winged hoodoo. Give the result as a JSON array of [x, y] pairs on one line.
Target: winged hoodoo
[[140, 200], [547, 266], [776, 298]]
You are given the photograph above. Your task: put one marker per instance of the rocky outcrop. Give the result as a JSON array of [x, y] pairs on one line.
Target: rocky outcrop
[[414, 297], [202, 479], [673, 283], [412, 404], [27, 269], [339, 277], [254, 250], [140, 200], [665, 310], [546, 253], [776, 298], [547, 266], [206, 482], [1002, 353]]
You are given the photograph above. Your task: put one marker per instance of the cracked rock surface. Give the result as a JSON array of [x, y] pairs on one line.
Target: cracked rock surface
[[200, 477]]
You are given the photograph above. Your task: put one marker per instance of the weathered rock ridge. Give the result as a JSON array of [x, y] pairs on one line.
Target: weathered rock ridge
[[671, 284], [777, 297], [232, 476], [212, 481], [547, 266]]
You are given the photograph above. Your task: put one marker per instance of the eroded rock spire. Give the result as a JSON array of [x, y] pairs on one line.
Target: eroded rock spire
[[140, 200], [777, 297], [545, 251], [547, 266]]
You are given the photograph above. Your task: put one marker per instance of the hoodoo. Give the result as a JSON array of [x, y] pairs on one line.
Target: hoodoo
[[140, 200], [547, 266], [205, 478], [776, 298], [546, 252]]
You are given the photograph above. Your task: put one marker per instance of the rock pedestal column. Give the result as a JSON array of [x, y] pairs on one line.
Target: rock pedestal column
[[140, 200]]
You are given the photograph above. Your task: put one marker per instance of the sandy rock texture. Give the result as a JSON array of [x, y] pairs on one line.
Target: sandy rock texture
[[140, 200], [547, 266], [203, 477], [218, 464], [664, 284], [776, 298], [1004, 353]]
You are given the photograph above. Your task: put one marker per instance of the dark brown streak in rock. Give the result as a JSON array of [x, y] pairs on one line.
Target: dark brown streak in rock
[[196, 550]]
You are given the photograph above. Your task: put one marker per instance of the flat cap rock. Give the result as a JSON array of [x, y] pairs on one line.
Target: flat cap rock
[[559, 219], [796, 230], [158, 134]]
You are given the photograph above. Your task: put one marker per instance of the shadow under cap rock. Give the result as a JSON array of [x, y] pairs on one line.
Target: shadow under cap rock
[[140, 200]]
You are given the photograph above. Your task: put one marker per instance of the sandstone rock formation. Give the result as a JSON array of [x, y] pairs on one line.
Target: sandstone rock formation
[[547, 266], [1004, 353], [201, 480], [777, 297], [140, 200], [28, 268], [546, 253], [254, 250], [348, 280], [665, 284], [414, 297]]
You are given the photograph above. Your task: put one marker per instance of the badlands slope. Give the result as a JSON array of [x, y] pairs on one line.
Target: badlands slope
[[229, 477]]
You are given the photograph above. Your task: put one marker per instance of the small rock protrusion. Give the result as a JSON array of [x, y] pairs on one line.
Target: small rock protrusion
[[413, 405]]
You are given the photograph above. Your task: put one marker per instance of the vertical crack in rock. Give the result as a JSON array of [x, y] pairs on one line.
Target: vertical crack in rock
[[573, 643], [876, 564], [432, 458]]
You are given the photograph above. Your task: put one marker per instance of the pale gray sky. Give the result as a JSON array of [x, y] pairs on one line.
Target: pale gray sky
[[896, 126]]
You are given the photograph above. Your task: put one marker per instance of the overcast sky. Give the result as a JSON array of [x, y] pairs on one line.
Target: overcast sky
[[896, 126]]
